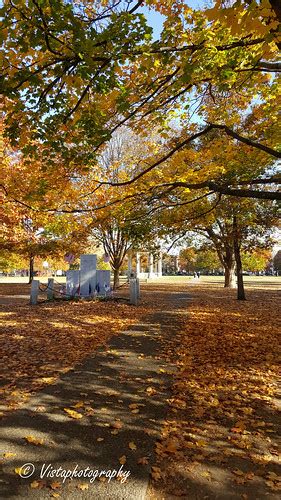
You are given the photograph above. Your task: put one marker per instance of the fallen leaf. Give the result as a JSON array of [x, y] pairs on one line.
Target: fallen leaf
[[73, 414], [132, 446], [40, 409], [79, 404], [238, 472], [143, 461], [19, 470], [35, 485], [150, 391], [8, 454], [55, 485], [34, 440], [117, 424], [83, 486], [123, 459], [156, 473]]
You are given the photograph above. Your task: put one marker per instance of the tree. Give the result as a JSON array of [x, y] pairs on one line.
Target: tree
[[82, 81], [256, 260], [202, 258], [120, 227], [240, 226], [207, 260], [11, 261], [187, 258]]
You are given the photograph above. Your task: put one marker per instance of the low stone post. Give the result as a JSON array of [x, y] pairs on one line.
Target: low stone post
[[34, 292], [133, 292], [50, 289]]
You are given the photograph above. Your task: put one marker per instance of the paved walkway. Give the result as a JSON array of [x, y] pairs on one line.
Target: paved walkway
[[121, 394]]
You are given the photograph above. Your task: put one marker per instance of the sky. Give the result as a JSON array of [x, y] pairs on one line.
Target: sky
[[155, 20]]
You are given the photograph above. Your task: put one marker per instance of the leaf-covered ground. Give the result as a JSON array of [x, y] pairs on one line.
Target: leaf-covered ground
[[220, 440], [41, 342]]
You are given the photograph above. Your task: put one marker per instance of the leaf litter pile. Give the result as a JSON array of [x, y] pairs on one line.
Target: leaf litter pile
[[220, 437], [39, 343]]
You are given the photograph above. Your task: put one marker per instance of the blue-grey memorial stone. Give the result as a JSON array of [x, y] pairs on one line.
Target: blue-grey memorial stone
[[72, 282], [103, 282], [88, 266]]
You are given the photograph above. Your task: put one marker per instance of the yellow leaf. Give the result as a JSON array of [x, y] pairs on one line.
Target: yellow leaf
[[35, 485], [8, 454], [80, 404], [73, 413], [48, 380], [19, 471], [132, 446], [150, 391], [100, 439], [201, 442], [34, 440], [123, 459], [83, 486]]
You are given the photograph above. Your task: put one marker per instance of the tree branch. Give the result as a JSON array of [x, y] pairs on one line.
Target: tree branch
[[249, 142]]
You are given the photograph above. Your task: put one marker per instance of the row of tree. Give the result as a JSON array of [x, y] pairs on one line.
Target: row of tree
[[109, 133]]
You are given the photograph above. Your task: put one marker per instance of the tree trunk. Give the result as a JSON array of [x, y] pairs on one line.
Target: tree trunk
[[31, 268], [229, 276], [229, 267], [116, 278], [239, 269]]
